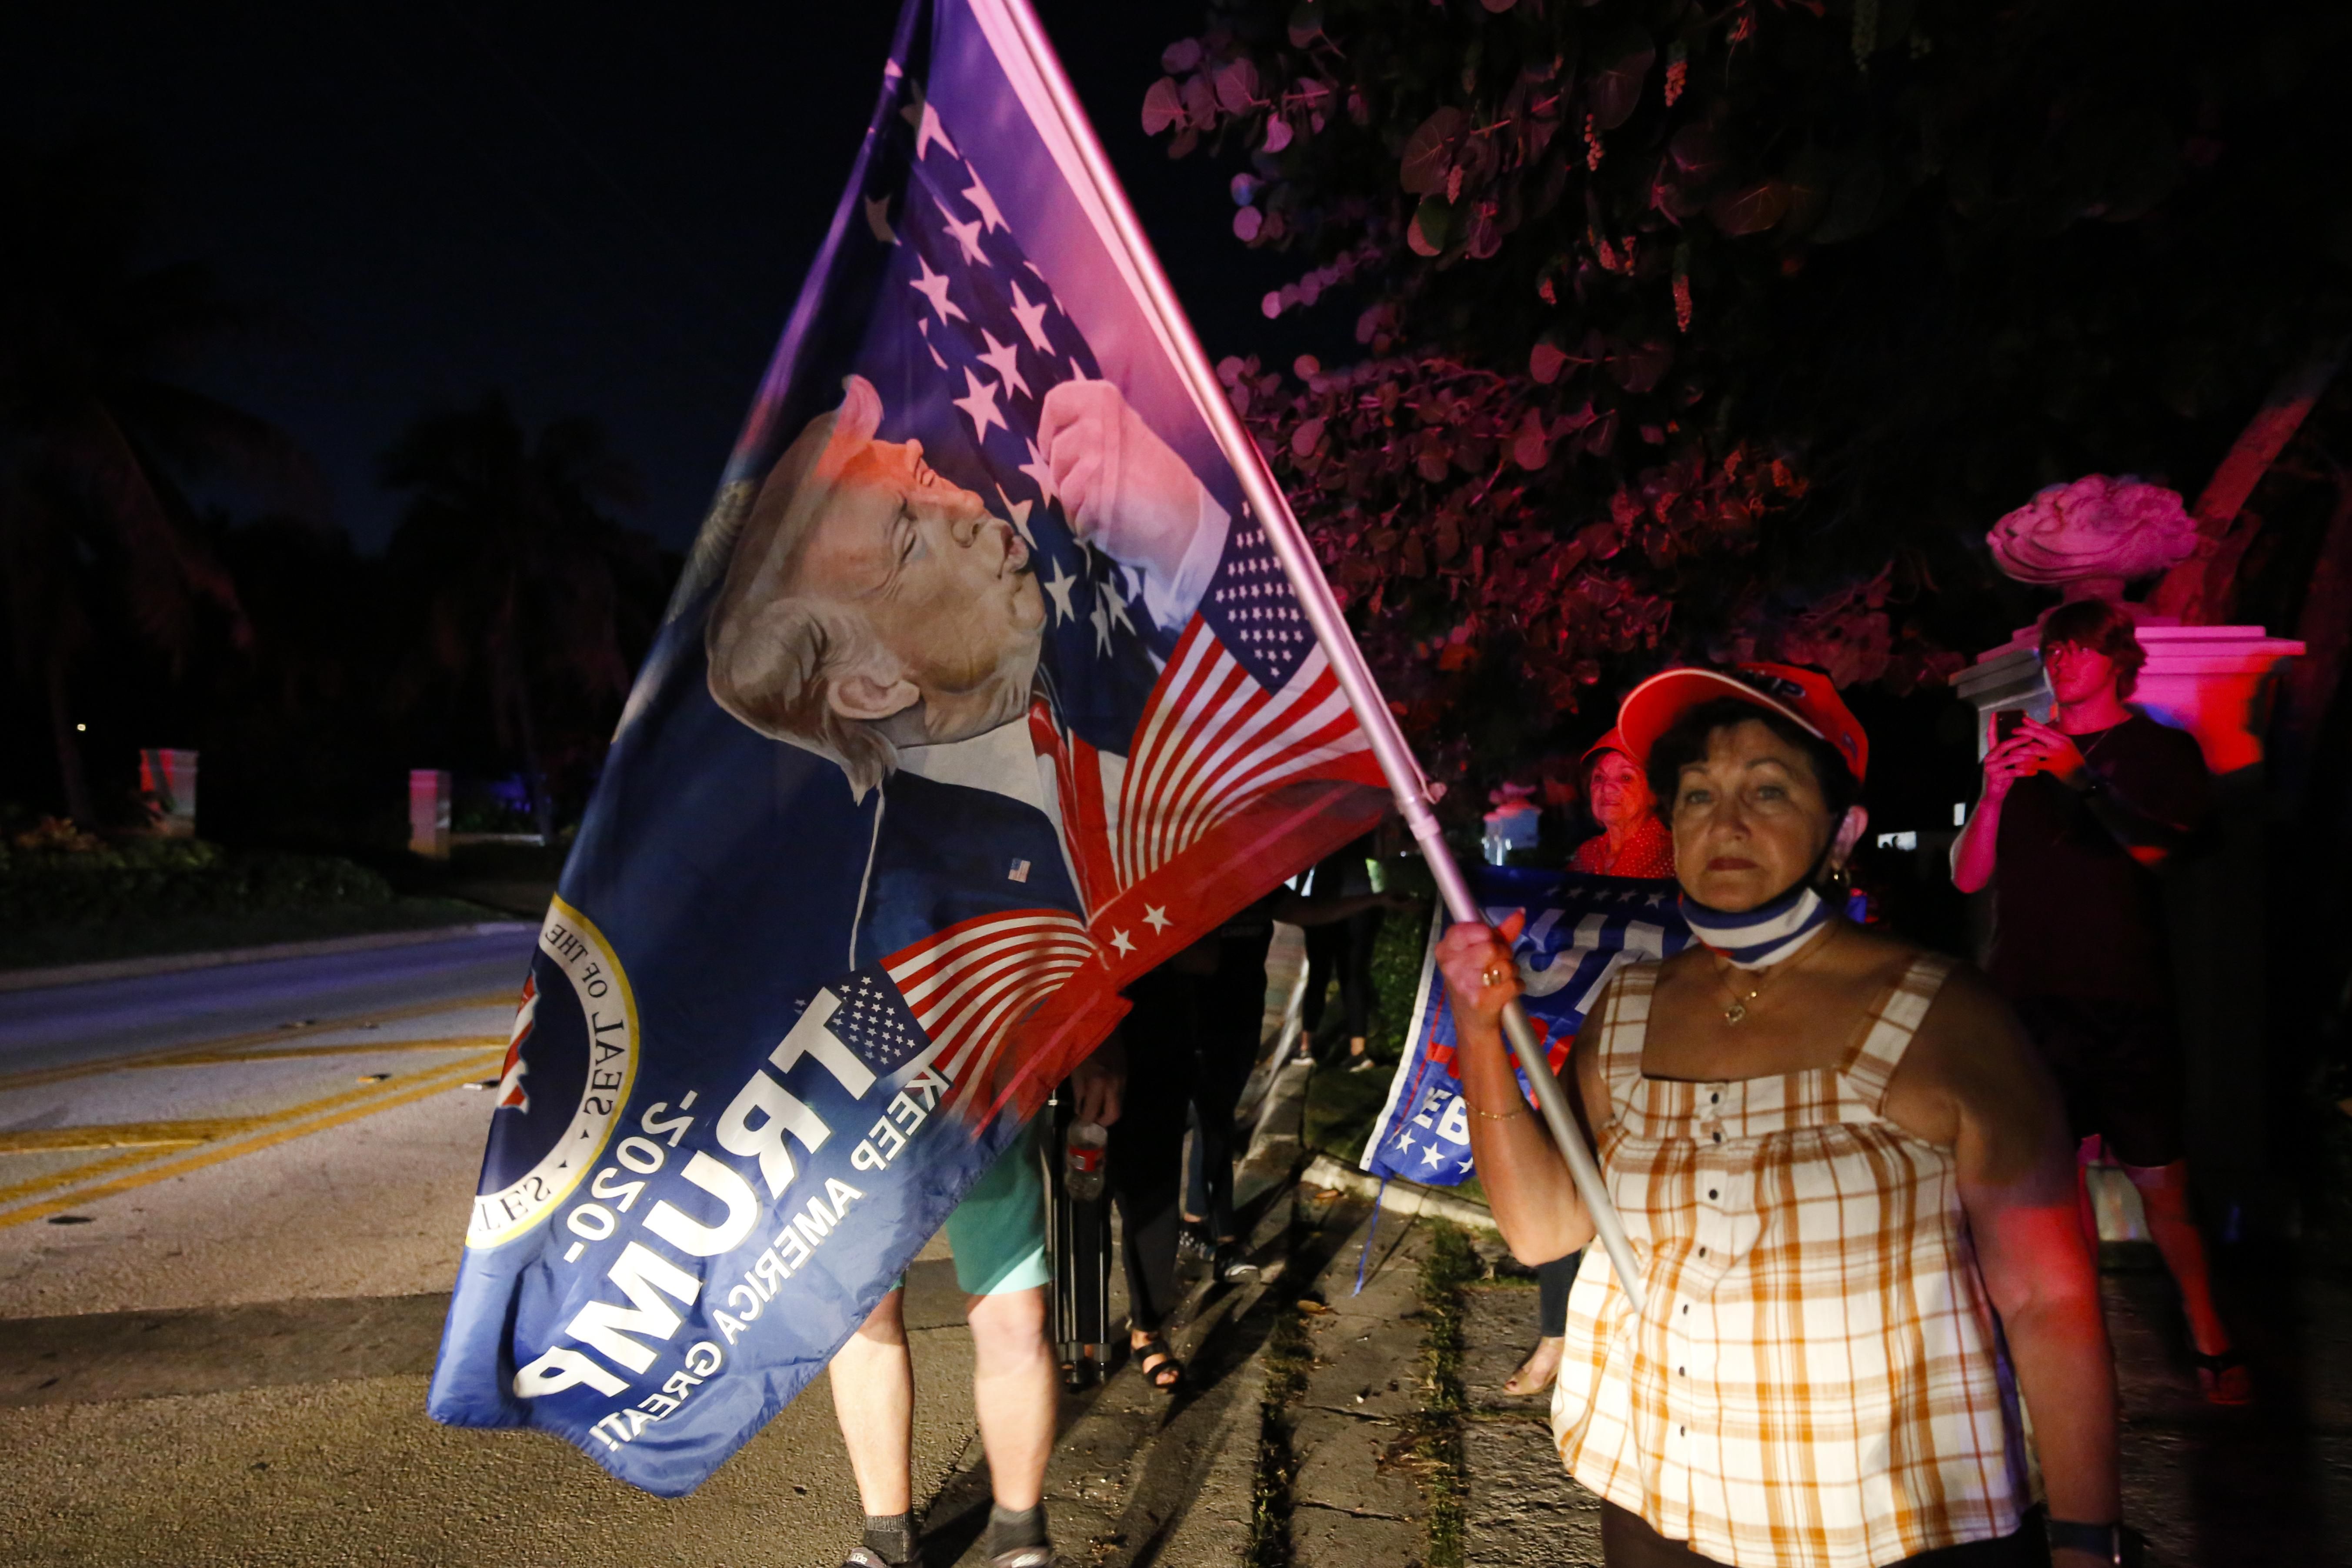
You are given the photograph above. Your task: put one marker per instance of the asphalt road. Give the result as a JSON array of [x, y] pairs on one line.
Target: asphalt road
[[104, 1019], [232, 1203]]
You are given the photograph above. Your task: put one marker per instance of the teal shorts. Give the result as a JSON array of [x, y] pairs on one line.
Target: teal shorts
[[998, 1232]]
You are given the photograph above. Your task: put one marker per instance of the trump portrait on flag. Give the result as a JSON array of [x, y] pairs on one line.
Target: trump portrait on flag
[[871, 604], [875, 613]]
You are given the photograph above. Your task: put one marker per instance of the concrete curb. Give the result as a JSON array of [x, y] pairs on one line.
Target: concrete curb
[[179, 963], [1402, 1197]]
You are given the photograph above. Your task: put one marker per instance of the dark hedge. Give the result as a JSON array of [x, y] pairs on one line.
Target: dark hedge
[[146, 878]]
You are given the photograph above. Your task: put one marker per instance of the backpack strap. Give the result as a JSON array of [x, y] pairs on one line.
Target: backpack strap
[[1893, 1024]]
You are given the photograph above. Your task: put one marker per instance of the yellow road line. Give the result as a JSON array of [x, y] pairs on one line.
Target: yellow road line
[[298, 1053], [124, 1135], [214, 1154], [88, 1172], [259, 1036], [205, 1130], [38, 1186]]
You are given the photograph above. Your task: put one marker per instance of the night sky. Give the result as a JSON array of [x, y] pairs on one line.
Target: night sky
[[596, 209]]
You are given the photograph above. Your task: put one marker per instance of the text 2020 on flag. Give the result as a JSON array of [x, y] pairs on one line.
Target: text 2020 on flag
[[982, 693]]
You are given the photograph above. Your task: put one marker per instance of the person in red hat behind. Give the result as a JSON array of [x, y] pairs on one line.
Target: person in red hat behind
[[1631, 842], [1845, 1178]]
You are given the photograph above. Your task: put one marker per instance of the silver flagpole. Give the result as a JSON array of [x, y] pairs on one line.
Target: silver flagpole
[[1282, 531]]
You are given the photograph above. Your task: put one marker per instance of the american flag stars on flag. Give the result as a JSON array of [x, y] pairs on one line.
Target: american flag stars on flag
[[873, 1022], [1153, 733], [990, 321]]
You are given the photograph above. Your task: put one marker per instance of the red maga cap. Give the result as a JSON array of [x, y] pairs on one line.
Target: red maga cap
[[1804, 697], [1613, 741]]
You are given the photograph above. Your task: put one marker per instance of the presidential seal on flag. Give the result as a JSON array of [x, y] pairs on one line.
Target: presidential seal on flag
[[569, 1067]]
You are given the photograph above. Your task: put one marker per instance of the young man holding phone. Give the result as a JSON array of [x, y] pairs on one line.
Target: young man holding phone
[[2076, 816]]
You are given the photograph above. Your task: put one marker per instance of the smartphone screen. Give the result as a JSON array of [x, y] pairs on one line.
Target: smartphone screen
[[2007, 723]]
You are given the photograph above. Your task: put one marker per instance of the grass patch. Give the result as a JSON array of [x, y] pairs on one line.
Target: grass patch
[[1450, 1265], [40, 947], [69, 897], [1289, 1355], [1269, 1536], [1396, 975], [1340, 1107]]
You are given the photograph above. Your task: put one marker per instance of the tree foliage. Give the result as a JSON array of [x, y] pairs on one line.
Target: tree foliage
[[99, 435], [500, 628], [1698, 328], [520, 586]]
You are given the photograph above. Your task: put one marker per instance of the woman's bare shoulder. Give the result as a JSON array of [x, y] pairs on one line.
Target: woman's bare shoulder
[[1968, 1005], [1875, 947], [1695, 956], [1969, 1042]]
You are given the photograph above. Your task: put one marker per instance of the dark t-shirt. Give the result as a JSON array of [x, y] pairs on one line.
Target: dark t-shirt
[[2074, 913]]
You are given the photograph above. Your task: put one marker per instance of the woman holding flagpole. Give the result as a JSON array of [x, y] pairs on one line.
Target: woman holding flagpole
[[1847, 1184]]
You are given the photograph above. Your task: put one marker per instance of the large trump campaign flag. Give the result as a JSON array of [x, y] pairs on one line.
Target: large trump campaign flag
[[982, 693]]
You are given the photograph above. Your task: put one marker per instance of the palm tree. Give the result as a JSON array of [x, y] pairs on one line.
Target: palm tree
[[95, 435], [522, 585]]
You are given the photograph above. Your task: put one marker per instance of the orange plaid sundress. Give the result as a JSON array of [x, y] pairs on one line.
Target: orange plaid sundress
[[1817, 1380]]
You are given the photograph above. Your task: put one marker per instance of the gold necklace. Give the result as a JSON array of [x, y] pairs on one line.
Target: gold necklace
[[1738, 1010]]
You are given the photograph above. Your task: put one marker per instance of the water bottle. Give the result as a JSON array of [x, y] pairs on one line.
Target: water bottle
[[1082, 1161]]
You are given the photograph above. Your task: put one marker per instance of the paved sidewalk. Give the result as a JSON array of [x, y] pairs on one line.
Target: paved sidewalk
[[1359, 1492]]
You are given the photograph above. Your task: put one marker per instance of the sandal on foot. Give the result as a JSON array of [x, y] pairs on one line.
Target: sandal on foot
[[1521, 1383], [1165, 1373], [2224, 1377]]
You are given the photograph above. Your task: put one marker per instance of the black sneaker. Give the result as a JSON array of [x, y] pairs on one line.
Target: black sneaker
[[1194, 1246], [1233, 1266]]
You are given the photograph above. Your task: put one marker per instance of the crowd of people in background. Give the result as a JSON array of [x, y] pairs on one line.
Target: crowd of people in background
[[1194, 1035]]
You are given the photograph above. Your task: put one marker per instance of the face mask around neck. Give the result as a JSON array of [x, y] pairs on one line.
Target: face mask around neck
[[1763, 936]]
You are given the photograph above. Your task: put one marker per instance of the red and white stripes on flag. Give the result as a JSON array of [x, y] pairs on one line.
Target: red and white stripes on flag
[[967, 986], [1211, 741]]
